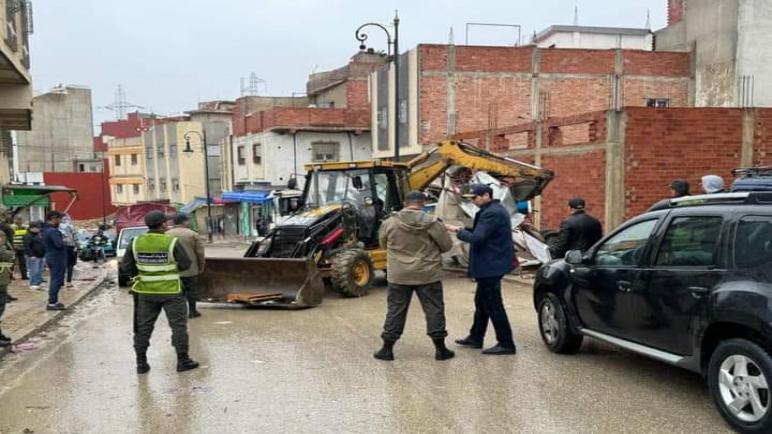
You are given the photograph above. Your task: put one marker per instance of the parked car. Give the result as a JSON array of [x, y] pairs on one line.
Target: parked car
[[688, 283], [124, 239]]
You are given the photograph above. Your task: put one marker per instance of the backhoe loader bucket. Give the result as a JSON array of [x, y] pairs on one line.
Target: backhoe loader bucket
[[262, 282]]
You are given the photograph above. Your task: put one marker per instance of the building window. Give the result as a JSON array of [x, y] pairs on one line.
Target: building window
[[325, 151], [240, 155], [162, 184], [149, 153], [135, 188], [117, 160], [160, 152], [81, 167], [119, 189], [257, 153], [151, 185], [134, 159], [657, 102], [175, 184], [173, 151]]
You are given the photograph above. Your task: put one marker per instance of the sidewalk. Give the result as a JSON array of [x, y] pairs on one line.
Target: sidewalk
[[28, 315]]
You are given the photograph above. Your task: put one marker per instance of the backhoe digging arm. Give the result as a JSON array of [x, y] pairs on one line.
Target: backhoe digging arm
[[525, 181]]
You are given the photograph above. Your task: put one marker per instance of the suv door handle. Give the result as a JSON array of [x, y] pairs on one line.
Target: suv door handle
[[624, 286], [698, 291]]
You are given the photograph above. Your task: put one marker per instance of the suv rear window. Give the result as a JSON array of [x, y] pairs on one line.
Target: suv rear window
[[690, 242], [753, 243]]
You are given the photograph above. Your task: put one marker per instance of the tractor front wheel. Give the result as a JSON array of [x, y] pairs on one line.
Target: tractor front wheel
[[352, 272]]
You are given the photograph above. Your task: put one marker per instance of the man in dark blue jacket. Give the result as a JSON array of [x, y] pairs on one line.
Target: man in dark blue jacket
[[56, 258], [492, 255]]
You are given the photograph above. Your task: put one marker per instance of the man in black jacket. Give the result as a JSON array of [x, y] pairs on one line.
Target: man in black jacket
[[35, 252], [578, 232]]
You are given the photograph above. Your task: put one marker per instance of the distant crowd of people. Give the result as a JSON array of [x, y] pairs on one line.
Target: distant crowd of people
[[32, 248]]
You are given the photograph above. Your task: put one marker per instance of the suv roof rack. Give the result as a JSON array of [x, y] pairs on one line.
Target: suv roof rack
[[753, 172], [744, 198]]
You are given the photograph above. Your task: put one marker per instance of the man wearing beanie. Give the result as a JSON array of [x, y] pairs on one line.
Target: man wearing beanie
[[155, 260], [414, 243]]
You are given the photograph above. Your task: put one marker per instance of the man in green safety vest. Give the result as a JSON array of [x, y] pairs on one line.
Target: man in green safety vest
[[155, 260], [19, 231]]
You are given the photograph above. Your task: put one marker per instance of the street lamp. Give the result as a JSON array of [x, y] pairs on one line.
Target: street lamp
[[393, 55], [189, 150]]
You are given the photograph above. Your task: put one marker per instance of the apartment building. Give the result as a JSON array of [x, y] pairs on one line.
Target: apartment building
[[15, 78], [172, 171], [126, 160]]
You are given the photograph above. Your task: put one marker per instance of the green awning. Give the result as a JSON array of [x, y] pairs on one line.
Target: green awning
[[17, 196]]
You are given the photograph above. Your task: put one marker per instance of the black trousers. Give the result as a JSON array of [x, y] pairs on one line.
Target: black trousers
[[21, 259], [3, 298], [147, 309], [489, 306], [431, 299], [190, 289], [72, 259]]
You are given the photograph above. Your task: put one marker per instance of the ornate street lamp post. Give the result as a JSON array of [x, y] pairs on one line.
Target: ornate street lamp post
[[394, 57], [188, 149]]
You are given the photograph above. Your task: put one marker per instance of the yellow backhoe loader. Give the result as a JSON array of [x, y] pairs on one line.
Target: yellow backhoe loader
[[333, 241]]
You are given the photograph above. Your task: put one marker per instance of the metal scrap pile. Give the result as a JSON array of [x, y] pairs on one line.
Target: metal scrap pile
[[454, 209]]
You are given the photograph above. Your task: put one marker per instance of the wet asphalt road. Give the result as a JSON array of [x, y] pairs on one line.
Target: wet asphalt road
[[312, 371]]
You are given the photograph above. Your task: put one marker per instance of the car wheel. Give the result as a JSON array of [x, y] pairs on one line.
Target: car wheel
[[554, 329], [738, 378]]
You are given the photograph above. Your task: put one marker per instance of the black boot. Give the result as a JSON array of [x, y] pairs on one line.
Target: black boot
[[142, 366], [442, 352], [386, 352], [4, 340], [470, 342], [185, 363]]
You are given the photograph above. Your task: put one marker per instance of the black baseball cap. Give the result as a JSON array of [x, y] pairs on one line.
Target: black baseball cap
[[576, 203], [479, 190], [155, 218], [54, 215]]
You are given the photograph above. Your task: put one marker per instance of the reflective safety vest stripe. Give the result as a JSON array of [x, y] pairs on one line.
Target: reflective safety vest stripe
[[6, 266], [154, 257], [18, 238]]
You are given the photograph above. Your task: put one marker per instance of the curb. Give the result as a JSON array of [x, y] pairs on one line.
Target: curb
[[56, 317]]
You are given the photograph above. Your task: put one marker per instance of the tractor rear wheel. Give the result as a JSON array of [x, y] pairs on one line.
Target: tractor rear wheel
[[352, 272]]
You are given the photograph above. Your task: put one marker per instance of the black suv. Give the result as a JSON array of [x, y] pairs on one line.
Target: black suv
[[688, 283]]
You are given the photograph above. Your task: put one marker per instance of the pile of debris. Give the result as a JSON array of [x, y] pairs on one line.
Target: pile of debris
[[451, 207]]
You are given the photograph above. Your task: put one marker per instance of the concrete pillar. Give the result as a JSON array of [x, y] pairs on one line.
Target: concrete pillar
[[615, 169], [538, 142], [749, 122], [450, 128]]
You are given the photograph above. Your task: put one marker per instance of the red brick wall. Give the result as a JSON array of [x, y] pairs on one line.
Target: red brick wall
[[433, 57], [575, 175], [494, 101], [570, 96], [91, 187], [574, 61], [303, 117], [433, 108], [493, 59], [493, 85], [356, 95], [660, 63], [662, 145], [638, 90], [762, 138]]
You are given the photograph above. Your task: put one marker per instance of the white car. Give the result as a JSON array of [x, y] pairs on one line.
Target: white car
[[124, 239]]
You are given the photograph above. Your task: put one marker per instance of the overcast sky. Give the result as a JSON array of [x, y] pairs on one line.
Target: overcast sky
[[170, 54]]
